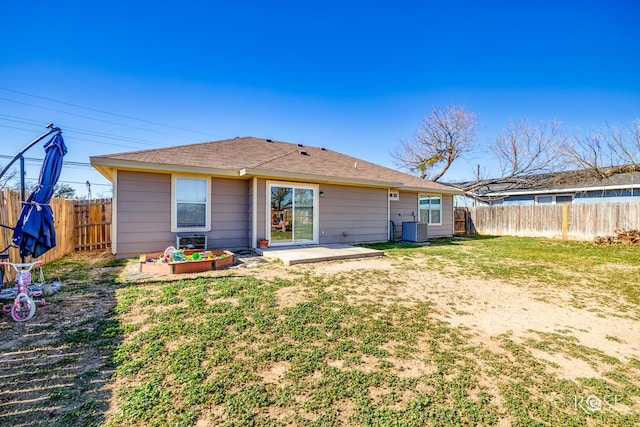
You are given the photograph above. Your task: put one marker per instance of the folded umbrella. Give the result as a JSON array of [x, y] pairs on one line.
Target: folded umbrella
[[34, 233]]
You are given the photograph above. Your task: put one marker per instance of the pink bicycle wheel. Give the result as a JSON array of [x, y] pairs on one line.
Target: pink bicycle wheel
[[23, 308]]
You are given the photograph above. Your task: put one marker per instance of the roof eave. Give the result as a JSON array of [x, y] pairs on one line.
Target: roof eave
[[438, 190], [275, 174], [560, 190], [106, 165]]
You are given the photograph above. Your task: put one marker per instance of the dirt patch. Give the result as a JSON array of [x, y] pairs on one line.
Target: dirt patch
[[54, 367], [291, 296], [275, 373], [65, 342], [490, 308]]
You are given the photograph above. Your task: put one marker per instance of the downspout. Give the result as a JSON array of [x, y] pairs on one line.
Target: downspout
[[254, 212], [453, 214], [114, 213], [388, 215]]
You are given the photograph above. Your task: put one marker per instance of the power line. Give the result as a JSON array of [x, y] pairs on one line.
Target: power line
[[104, 112], [84, 139], [106, 135], [13, 127], [87, 117], [34, 159], [73, 182], [21, 120], [67, 129]]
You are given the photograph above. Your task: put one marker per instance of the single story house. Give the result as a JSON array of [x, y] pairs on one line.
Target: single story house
[[237, 191], [569, 187]]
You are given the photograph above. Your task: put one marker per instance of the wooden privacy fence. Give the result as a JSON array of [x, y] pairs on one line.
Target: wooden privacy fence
[[569, 222], [92, 224], [79, 224]]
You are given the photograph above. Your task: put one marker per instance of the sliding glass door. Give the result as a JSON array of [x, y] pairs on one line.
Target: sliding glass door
[[292, 209]]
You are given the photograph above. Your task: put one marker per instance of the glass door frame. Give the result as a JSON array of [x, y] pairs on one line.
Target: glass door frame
[[316, 221]]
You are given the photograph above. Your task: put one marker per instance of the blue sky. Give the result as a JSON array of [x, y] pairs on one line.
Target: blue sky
[[355, 77]]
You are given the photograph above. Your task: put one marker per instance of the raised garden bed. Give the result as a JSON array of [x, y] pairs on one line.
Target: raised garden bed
[[152, 263]]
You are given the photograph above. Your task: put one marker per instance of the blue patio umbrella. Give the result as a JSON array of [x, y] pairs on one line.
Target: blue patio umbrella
[[34, 233]]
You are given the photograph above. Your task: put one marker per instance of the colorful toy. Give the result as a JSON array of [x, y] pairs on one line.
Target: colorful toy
[[24, 307]]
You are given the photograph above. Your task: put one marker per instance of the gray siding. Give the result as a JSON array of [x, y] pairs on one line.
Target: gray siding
[[446, 229], [347, 214], [144, 214], [360, 213], [230, 214], [403, 210], [262, 206]]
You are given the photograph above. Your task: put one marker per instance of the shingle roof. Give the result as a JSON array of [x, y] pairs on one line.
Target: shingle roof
[[558, 182], [251, 156]]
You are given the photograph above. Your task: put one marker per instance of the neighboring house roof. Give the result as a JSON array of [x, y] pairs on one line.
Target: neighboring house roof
[[249, 156], [559, 182]]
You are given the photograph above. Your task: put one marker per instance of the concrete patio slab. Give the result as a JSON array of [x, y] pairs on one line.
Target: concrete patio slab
[[291, 255]]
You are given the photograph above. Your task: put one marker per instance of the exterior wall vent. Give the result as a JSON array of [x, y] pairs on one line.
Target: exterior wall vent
[[191, 241]]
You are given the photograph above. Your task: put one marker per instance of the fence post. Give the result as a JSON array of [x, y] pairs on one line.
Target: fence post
[[565, 224]]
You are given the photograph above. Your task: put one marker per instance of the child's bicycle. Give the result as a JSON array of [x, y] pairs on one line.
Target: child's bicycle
[[23, 307]]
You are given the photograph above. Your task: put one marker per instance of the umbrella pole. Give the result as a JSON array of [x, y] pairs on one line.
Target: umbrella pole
[[52, 129], [23, 187]]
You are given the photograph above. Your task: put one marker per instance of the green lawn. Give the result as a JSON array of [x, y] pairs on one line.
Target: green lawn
[[330, 346]]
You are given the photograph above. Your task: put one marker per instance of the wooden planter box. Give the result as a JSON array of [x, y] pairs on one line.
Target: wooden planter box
[[187, 266]]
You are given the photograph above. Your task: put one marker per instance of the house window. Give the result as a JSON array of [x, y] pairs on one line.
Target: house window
[[430, 209], [191, 204], [544, 200], [562, 199]]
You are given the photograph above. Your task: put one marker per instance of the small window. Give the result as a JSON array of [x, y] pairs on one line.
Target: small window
[[544, 200], [394, 196], [191, 205], [430, 209], [564, 199]]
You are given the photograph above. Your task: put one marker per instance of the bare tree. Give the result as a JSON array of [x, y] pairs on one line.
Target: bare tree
[[442, 137], [604, 153], [6, 179], [524, 151]]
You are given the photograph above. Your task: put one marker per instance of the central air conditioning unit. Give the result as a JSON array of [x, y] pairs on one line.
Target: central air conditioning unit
[[415, 232], [191, 241]]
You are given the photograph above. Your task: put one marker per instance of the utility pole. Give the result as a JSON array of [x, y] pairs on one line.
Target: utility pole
[[89, 190]]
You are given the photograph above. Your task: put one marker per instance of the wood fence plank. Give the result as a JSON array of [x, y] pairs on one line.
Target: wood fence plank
[[583, 221], [79, 224]]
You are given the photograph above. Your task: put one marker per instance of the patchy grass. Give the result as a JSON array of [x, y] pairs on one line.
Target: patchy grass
[[235, 351], [56, 367], [333, 346], [320, 362], [610, 271]]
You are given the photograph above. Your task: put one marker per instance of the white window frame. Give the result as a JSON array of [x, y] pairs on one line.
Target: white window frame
[[553, 199], [429, 219], [561, 195], [316, 212], [174, 204], [545, 196]]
